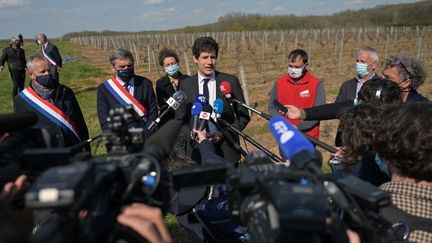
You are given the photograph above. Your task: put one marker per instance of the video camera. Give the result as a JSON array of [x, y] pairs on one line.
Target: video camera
[[99, 187], [298, 203]]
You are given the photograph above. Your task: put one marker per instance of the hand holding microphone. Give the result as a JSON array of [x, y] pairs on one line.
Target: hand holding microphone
[[173, 103]]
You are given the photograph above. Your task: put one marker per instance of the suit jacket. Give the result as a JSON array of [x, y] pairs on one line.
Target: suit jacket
[[348, 89], [143, 92], [52, 51], [191, 88], [164, 90], [65, 100]]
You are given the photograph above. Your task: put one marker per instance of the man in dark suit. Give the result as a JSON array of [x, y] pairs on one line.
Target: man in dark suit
[[54, 104], [207, 82], [126, 88], [366, 63], [168, 84], [15, 57], [51, 53]]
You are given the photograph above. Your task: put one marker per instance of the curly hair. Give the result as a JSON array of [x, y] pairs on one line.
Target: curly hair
[[204, 44], [359, 126], [403, 139], [408, 68], [389, 91], [167, 53]]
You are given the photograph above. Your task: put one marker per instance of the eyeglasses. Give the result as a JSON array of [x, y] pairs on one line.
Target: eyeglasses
[[410, 75]]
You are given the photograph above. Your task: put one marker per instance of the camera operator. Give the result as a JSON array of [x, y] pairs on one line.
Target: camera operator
[[402, 139], [398, 136]]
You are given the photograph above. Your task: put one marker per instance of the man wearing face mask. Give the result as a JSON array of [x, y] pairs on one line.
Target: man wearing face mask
[[409, 73], [168, 84], [126, 88], [300, 88], [55, 104], [51, 53], [366, 63], [15, 57]]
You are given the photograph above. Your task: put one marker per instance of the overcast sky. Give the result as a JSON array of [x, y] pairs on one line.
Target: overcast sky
[[58, 17]]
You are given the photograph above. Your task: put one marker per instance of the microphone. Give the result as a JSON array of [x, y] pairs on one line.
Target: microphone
[[13, 122], [225, 88], [293, 144], [218, 107], [205, 116], [195, 112], [173, 103], [201, 99]]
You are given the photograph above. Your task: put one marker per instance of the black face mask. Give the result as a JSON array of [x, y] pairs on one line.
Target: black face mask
[[18, 45], [125, 74], [48, 81]]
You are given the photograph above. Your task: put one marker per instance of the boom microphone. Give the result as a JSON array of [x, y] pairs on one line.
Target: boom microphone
[[205, 116], [225, 88], [218, 107], [195, 112], [173, 103], [201, 99], [13, 122], [293, 144]]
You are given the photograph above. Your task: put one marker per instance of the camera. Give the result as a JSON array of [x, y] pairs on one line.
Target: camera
[[296, 204], [99, 187]]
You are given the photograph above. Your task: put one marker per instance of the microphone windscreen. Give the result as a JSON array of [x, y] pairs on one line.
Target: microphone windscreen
[[17, 121], [179, 96], [225, 87], [201, 99], [196, 109], [289, 139], [163, 139], [218, 106]]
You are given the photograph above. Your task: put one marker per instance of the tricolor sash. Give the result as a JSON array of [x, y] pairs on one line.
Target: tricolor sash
[[123, 96], [48, 57], [50, 111]]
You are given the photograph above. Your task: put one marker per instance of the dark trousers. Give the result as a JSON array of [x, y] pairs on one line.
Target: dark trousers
[[18, 79]]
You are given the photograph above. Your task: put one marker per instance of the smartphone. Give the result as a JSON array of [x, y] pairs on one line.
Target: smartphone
[[281, 108]]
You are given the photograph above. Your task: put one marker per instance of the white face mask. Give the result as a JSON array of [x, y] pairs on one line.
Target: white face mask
[[295, 72], [39, 42]]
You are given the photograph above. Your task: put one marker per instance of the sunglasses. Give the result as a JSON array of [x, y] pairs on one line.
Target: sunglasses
[[410, 75]]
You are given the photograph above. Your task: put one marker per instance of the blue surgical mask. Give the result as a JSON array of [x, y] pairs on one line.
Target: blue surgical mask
[[125, 74], [47, 80], [172, 69], [361, 69], [382, 165]]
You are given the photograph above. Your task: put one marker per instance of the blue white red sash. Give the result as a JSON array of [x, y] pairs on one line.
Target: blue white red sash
[[48, 57], [50, 111], [123, 96]]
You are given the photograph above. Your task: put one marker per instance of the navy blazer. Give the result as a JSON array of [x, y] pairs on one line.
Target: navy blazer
[[143, 92], [190, 87], [52, 51], [348, 89]]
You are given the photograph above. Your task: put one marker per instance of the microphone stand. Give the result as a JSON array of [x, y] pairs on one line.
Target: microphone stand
[[228, 137], [253, 142], [313, 140]]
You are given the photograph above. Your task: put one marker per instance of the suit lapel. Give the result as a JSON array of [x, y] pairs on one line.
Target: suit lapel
[[218, 82]]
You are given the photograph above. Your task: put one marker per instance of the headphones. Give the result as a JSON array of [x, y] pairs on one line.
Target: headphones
[[380, 87]]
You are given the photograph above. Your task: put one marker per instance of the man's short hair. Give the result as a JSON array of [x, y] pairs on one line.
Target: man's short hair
[[14, 40], [298, 53], [204, 44], [373, 51], [403, 139], [167, 53], [120, 53], [408, 68], [35, 57]]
